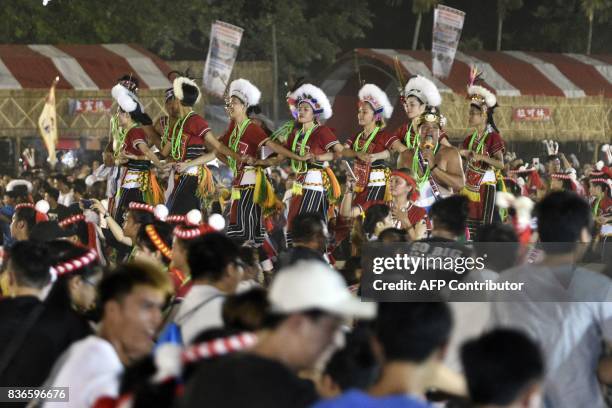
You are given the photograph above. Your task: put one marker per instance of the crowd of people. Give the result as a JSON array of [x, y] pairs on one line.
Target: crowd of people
[[150, 279]]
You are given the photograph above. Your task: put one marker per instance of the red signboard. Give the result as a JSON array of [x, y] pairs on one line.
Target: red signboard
[[531, 114], [93, 105]]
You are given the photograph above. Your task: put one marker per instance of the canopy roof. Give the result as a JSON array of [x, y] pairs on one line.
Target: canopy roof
[[80, 67]]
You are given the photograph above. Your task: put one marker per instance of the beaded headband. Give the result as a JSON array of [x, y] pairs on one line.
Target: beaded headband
[[158, 242], [76, 264]]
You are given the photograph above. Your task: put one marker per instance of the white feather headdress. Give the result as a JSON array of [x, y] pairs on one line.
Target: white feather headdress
[[480, 95], [316, 98], [377, 98], [424, 89], [127, 100], [244, 90], [186, 90]]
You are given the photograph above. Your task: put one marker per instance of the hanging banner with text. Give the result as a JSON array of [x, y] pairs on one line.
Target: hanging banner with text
[[448, 24], [222, 51]]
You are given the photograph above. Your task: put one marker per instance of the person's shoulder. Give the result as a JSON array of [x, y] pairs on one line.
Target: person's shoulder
[[197, 121], [351, 398], [448, 149]]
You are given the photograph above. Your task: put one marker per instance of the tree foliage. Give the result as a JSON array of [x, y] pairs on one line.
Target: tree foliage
[[308, 32]]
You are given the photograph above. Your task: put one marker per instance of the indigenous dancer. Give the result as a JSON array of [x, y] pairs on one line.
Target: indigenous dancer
[[191, 144], [436, 168], [483, 151], [370, 147], [418, 93], [137, 181], [600, 195], [316, 186], [405, 214], [251, 192]]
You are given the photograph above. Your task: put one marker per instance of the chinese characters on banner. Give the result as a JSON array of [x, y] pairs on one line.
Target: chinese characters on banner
[[222, 51], [448, 23], [92, 105], [531, 114]]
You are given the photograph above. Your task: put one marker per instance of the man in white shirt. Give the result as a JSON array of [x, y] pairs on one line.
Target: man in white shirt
[[215, 271], [132, 299], [66, 196], [565, 308]]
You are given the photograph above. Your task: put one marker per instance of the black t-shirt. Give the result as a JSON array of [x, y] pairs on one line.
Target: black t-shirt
[[246, 380], [53, 331]]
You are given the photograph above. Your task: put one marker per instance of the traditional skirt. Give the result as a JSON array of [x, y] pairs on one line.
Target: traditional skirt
[[193, 188], [376, 187], [138, 183], [246, 222], [313, 192], [480, 188]]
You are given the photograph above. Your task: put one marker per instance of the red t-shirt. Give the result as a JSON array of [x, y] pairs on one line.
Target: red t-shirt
[[250, 142], [194, 130], [382, 141], [320, 141], [492, 145], [134, 137]]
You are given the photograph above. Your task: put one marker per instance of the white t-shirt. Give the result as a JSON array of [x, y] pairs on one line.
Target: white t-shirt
[[91, 369], [199, 311], [66, 199]]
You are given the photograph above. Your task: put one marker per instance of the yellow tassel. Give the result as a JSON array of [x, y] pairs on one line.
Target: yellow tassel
[[471, 195]]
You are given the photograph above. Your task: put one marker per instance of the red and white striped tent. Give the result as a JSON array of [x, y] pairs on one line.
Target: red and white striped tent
[[512, 74], [80, 67]]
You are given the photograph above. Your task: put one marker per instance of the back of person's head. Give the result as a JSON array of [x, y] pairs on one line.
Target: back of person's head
[[29, 264], [26, 215], [355, 365], [307, 227], [47, 231], [392, 235], [373, 215], [246, 311], [119, 284], [562, 217], [505, 245], [209, 255], [501, 367], [53, 193], [155, 237], [79, 187], [411, 331], [350, 272], [450, 214]]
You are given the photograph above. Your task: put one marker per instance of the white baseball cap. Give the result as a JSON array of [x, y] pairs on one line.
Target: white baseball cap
[[312, 284]]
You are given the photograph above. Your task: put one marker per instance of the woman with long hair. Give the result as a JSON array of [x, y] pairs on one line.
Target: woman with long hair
[[370, 147], [316, 186], [483, 151]]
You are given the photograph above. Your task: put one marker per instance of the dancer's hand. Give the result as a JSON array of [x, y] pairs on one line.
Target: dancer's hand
[[365, 157]]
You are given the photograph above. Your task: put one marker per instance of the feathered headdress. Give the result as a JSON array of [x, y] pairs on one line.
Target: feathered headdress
[[186, 90], [244, 90], [316, 98], [479, 95], [423, 89], [377, 98]]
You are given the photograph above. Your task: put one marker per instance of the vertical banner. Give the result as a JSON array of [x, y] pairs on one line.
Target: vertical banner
[[47, 124], [448, 23], [222, 51]]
